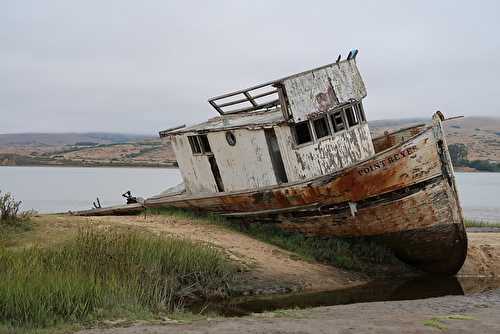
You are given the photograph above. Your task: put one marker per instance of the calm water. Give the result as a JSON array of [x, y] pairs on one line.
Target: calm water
[[480, 195], [56, 189], [59, 189]]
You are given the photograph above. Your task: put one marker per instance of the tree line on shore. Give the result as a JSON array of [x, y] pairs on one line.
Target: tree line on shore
[[459, 157]]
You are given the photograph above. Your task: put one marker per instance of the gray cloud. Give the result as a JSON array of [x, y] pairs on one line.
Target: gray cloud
[[133, 66]]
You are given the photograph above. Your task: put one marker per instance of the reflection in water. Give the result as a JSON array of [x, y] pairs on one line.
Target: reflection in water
[[392, 290]]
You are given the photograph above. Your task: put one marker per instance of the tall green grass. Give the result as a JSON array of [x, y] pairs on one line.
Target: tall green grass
[[361, 254], [101, 274]]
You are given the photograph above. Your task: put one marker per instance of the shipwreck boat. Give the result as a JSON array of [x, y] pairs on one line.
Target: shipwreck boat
[[298, 151]]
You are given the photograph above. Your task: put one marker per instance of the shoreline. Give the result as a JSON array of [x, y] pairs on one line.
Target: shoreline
[[98, 166], [174, 165]]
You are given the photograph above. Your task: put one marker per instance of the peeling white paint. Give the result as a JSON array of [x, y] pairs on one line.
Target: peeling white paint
[[195, 169], [246, 165], [322, 89], [326, 155]]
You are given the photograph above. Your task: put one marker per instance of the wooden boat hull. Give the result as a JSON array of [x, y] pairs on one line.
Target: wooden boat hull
[[405, 196], [417, 223]]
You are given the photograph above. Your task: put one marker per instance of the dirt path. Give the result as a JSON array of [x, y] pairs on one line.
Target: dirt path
[[453, 314], [269, 269]]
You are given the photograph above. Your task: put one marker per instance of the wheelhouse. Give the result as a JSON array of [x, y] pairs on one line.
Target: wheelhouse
[[287, 130]]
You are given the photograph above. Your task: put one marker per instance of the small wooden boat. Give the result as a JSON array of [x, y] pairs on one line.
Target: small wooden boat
[[306, 160], [116, 210]]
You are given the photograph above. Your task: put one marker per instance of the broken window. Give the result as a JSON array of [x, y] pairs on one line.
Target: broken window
[[360, 112], [302, 133], [195, 145], [351, 116], [205, 145], [337, 121], [321, 127]]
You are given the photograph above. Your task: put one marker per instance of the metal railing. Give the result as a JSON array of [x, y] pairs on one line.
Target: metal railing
[[259, 97]]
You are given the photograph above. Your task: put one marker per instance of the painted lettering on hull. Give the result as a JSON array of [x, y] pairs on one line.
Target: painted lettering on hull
[[387, 161]]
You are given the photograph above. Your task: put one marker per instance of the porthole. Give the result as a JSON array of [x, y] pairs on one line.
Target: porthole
[[231, 139]]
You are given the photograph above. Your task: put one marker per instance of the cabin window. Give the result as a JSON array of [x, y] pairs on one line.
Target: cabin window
[[321, 127], [360, 111], [199, 144], [205, 145], [351, 116], [195, 145], [302, 133], [337, 121]]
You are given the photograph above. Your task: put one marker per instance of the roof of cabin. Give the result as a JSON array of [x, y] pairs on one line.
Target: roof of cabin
[[249, 120]]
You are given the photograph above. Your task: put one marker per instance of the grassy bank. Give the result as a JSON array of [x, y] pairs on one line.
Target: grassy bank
[[102, 274], [359, 254], [479, 223]]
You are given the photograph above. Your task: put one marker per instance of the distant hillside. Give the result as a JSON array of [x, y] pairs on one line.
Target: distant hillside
[[84, 149], [479, 135], [384, 124], [61, 139], [476, 138]]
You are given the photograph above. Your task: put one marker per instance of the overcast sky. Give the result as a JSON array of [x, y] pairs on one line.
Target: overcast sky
[[142, 66]]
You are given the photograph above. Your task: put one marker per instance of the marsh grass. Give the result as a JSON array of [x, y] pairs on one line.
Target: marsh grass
[[479, 223], [359, 254], [103, 274], [349, 253], [12, 219]]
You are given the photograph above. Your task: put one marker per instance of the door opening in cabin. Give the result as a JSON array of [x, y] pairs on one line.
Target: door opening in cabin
[[276, 159], [216, 173]]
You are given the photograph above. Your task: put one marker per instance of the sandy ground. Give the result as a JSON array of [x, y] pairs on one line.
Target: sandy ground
[[483, 256]]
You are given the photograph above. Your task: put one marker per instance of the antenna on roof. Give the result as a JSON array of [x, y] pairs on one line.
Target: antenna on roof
[[338, 59], [352, 54]]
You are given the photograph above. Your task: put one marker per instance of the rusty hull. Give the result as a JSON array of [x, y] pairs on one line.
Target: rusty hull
[[405, 196], [409, 163]]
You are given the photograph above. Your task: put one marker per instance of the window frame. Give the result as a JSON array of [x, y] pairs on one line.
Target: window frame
[[361, 112], [354, 115], [339, 113], [195, 141], [205, 146], [328, 127], [295, 136], [195, 144], [334, 124]]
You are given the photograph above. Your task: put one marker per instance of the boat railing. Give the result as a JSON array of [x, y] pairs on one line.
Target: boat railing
[[263, 96]]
